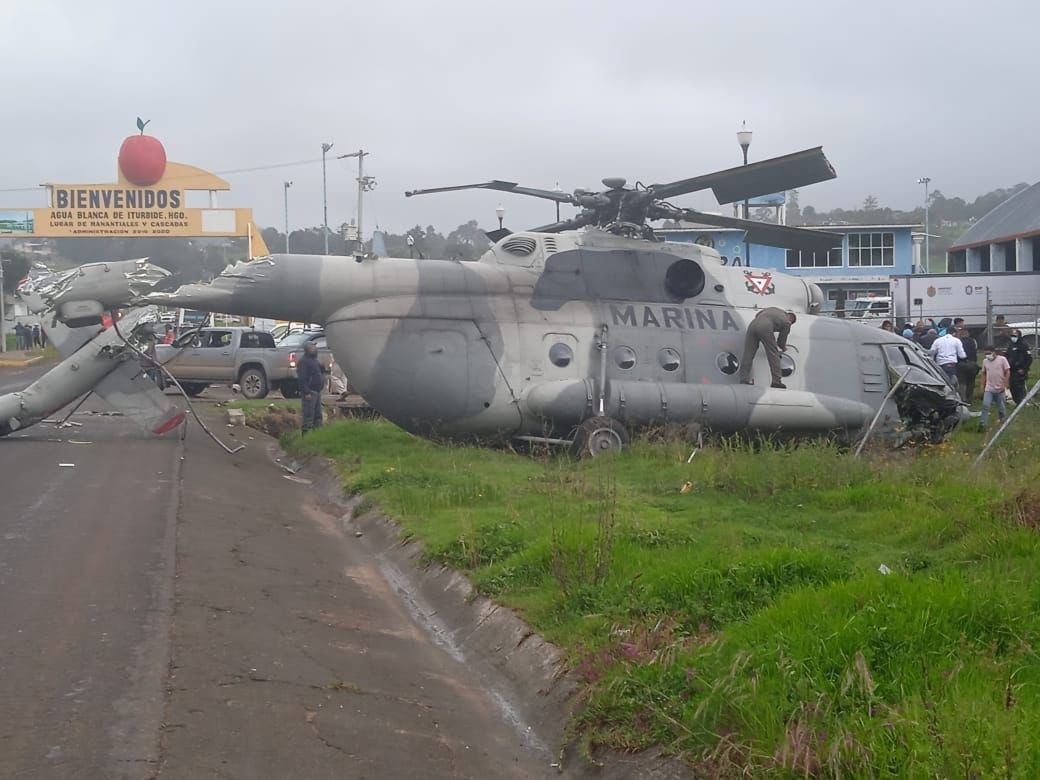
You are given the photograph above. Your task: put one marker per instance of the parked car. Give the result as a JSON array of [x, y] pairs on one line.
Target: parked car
[[239, 355], [294, 341]]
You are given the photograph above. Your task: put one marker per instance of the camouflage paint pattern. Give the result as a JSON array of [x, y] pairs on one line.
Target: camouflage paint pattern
[[546, 329]]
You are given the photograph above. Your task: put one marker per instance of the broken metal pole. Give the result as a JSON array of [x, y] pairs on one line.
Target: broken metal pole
[[75, 409], [1007, 422], [881, 408]]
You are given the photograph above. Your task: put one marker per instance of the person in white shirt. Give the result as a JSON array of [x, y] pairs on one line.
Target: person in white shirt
[[947, 350]]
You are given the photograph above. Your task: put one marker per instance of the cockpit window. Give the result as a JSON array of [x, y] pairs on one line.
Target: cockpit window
[[922, 371]]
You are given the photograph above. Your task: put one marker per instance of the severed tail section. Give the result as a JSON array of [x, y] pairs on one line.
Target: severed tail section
[[106, 364], [139, 398]]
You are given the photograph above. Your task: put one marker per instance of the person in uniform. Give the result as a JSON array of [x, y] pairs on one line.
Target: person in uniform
[[763, 330], [1019, 358]]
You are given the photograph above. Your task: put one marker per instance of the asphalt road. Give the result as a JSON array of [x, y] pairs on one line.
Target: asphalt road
[[85, 554], [170, 611]]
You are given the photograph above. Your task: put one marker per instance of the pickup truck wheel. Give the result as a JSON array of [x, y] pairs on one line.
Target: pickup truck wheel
[[254, 383], [290, 390], [192, 390]]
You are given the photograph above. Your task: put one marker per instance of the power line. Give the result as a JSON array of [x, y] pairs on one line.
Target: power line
[[271, 167]]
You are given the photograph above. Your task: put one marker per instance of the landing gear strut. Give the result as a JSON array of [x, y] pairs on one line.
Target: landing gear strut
[[599, 436]]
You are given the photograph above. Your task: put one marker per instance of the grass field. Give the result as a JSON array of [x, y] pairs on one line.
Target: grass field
[[762, 610]]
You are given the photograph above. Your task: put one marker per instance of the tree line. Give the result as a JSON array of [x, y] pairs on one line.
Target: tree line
[[201, 259], [941, 209]]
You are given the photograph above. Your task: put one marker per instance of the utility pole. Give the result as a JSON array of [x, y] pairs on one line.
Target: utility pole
[[325, 194], [287, 185], [364, 184], [927, 222]]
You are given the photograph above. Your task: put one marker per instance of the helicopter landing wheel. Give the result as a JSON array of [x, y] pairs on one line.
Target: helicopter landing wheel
[[599, 436]]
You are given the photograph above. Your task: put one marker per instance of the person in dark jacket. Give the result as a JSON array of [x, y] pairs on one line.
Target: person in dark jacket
[[1020, 358], [760, 331], [309, 371], [968, 368]]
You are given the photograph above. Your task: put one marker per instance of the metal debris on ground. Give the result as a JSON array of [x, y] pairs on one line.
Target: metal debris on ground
[[291, 469], [686, 487], [884, 569], [66, 465]]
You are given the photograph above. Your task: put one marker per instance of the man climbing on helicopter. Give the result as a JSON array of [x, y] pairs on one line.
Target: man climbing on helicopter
[[761, 330]]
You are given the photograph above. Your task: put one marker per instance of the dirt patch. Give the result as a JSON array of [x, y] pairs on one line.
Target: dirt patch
[[1023, 508], [274, 420]]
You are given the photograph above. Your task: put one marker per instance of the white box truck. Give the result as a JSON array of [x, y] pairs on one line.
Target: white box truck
[[1016, 295]]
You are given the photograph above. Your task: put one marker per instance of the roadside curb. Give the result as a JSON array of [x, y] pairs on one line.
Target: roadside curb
[[26, 363], [498, 644]]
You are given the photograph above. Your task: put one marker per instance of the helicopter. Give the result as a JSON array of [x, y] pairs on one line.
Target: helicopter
[[576, 332]]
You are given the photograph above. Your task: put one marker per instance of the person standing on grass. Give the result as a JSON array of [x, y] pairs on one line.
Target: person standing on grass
[[1019, 358], [968, 368], [309, 371], [947, 350], [996, 373]]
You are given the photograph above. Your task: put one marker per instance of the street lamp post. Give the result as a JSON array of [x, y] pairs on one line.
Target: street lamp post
[[500, 212], [927, 244], [325, 194], [287, 185], [744, 139]]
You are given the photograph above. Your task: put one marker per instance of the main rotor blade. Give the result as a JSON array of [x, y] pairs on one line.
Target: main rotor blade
[[501, 186], [770, 235], [761, 178]]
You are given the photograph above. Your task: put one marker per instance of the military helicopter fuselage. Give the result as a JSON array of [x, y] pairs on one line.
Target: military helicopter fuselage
[[550, 330], [584, 327]]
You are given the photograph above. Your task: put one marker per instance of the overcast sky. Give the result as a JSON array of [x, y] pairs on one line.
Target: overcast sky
[[535, 91]]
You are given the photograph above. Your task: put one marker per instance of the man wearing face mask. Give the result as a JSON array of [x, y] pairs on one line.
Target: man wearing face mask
[[995, 372], [1019, 358]]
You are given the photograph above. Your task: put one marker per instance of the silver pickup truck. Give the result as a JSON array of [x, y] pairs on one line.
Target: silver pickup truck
[[245, 356]]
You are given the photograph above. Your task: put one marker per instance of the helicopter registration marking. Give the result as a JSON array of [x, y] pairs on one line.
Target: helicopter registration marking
[[683, 318]]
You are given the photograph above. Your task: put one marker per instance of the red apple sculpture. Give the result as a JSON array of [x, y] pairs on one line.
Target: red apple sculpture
[[142, 158]]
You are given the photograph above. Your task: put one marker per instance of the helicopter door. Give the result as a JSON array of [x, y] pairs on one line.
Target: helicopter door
[[455, 375]]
